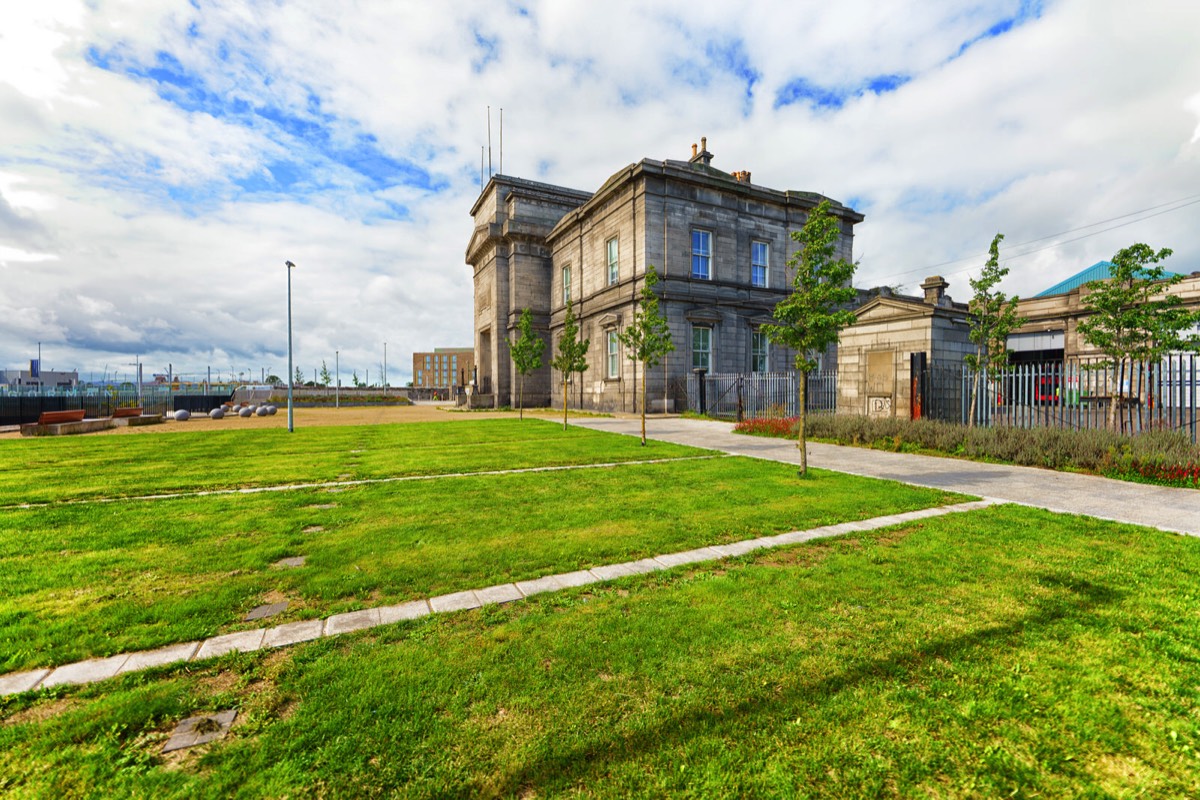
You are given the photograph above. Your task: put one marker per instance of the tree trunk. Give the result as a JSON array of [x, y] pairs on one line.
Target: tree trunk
[[1115, 399], [564, 401], [801, 415], [643, 404], [974, 390], [521, 397]]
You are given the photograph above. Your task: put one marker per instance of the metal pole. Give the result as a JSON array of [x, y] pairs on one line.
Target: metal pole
[[291, 371], [385, 372], [337, 367]]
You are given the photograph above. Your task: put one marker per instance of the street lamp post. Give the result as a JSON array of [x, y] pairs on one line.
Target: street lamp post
[[291, 372], [385, 373], [337, 367]]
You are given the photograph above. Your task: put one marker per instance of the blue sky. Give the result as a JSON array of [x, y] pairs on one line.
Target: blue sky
[[160, 161]]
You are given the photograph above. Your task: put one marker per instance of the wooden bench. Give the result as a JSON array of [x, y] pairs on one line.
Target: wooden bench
[[121, 413], [59, 417]]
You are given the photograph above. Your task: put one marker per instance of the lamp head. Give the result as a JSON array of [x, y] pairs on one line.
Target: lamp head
[[288, 264]]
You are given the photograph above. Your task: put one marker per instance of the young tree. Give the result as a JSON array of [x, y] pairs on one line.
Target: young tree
[[358, 384], [299, 377], [526, 355], [647, 339], [809, 319], [1132, 316], [993, 318], [572, 354], [326, 376]]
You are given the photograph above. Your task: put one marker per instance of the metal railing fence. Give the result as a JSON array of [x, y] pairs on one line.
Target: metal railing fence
[[1163, 395], [744, 395]]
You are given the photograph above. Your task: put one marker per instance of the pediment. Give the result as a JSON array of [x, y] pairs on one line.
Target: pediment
[[707, 316], [609, 321], [882, 309]]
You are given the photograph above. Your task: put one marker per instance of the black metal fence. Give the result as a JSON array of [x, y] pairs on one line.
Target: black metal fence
[[741, 395], [936, 392], [21, 407], [1130, 396]]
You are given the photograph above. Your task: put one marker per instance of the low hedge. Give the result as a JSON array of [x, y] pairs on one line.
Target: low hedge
[[1166, 457]]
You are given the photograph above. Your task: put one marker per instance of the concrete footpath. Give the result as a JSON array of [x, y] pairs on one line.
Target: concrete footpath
[[1162, 507]]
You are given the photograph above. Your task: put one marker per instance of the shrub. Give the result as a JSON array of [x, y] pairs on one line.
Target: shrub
[[1165, 457]]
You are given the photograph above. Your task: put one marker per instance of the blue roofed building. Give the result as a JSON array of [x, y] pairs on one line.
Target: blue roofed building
[[1100, 271]]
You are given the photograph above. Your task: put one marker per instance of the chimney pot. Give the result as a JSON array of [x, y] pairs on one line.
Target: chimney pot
[[693, 149], [703, 142]]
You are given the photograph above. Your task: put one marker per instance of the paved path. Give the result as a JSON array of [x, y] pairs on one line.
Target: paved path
[[1167, 508], [99, 669]]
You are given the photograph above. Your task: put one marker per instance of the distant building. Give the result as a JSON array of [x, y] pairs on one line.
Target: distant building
[[875, 353], [50, 379], [443, 368], [718, 242]]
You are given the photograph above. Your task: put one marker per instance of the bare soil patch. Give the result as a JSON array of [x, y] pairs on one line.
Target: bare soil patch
[[314, 417]]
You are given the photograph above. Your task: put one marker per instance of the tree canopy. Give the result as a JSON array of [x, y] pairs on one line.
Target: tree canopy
[[647, 338], [810, 318]]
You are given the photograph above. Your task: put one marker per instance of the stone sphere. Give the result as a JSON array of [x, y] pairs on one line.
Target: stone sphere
[[261, 411], [182, 415], [245, 411], [217, 413], [272, 410]]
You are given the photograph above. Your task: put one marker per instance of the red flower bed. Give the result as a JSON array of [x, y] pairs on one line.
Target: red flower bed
[[1173, 474], [779, 427]]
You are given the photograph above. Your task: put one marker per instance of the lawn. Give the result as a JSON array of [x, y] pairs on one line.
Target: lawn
[[1004, 652], [84, 579], [55, 469]]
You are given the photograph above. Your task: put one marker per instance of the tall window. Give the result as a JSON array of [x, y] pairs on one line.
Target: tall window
[[566, 280], [614, 355], [760, 255], [702, 348], [702, 255], [758, 351], [613, 271]]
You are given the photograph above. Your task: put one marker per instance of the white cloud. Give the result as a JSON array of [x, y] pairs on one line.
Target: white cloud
[[163, 161]]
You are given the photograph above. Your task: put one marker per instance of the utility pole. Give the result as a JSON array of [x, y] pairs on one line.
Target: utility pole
[[337, 367], [291, 372]]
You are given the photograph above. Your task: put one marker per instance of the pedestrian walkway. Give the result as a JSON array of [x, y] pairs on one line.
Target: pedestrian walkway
[[1163, 507], [98, 669]]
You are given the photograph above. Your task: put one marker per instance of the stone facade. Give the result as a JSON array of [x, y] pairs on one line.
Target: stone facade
[[873, 354], [702, 229], [874, 373], [1051, 331]]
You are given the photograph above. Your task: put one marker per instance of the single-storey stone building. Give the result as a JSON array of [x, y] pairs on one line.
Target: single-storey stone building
[[874, 354], [718, 241]]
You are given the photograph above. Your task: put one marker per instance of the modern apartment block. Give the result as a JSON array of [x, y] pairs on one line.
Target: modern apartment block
[[443, 368]]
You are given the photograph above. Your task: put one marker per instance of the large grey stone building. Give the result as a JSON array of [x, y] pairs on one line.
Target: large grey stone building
[[718, 241]]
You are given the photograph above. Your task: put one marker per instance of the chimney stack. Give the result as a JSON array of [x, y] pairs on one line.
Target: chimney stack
[[703, 156], [935, 289]]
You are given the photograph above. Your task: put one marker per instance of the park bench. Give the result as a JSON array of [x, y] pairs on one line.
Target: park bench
[[120, 413], [59, 417]]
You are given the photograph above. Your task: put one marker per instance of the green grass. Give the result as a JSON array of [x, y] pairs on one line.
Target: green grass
[[1007, 652], [92, 579], [63, 468]]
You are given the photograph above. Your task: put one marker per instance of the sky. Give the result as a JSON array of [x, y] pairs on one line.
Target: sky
[[160, 160]]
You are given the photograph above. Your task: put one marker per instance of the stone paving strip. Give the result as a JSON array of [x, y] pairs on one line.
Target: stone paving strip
[[343, 484], [98, 669]]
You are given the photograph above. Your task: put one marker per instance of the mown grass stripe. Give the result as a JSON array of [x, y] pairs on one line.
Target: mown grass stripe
[[94, 670], [297, 487]]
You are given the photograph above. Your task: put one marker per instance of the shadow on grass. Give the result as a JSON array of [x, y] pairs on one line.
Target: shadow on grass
[[1076, 600]]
